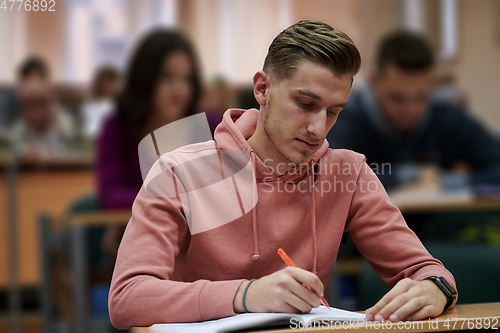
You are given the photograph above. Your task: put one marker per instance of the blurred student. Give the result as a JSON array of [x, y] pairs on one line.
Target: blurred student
[[37, 99], [104, 89], [162, 85], [41, 133], [215, 101], [33, 69], [393, 121]]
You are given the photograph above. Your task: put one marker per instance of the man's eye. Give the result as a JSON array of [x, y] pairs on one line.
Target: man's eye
[[306, 105]]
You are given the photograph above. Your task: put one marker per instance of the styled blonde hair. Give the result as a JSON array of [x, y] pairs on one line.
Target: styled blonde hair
[[315, 41]]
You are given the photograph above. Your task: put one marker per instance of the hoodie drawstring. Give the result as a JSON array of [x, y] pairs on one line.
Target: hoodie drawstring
[[313, 220], [256, 255]]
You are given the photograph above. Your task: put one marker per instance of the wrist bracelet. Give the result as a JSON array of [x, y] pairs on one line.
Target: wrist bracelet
[[245, 294]]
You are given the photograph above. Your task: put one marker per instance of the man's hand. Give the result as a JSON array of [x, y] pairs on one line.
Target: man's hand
[[282, 291], [409, 300]]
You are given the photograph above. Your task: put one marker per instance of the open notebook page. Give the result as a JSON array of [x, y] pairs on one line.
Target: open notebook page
[[257, 320]]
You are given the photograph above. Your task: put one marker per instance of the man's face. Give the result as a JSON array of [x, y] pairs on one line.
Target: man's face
[[302, 109], [403, 95], [37, 108]]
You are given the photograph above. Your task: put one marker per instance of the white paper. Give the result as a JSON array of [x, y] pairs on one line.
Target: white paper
[[254, 320]]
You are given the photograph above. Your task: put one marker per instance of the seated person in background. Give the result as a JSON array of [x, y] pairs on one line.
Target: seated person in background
[[215, 101], [162, 85], [42, 121], [42, 132], [393, 121], [104, 89], [196, 241], [33, 69]]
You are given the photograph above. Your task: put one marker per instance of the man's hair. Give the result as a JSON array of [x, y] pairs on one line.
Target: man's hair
[[33, 64], [407, 50], [315, 41]]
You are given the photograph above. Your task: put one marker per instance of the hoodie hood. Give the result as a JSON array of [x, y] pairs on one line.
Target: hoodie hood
[[231, 134]]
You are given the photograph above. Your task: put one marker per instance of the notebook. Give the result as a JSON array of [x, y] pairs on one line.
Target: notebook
[[320, 315]]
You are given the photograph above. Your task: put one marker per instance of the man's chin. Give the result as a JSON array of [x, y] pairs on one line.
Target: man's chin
[[302, 157]]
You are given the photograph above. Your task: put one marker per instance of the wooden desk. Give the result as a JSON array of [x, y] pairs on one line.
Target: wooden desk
[[434, 200], [49, 188], [461, 317], [119, 217]]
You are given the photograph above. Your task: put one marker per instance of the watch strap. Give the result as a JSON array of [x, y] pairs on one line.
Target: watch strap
[[446, 288]]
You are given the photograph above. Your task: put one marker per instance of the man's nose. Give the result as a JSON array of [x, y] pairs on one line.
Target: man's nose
[[317, 124]]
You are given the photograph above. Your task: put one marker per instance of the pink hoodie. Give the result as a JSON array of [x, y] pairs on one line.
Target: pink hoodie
[[167, 272]]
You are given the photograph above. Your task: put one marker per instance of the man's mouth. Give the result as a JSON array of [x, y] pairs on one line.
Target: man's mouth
[[307, 144]]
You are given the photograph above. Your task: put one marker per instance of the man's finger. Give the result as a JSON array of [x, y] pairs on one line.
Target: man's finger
[[306, 294], [396, 312], [392, 306], [308, 278], [296, 302], [423, 313], [400, 288]]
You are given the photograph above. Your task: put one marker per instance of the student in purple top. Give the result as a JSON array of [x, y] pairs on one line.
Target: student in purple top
[[162, 85]]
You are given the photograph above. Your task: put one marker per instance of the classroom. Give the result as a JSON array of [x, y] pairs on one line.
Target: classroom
[[249, 165]]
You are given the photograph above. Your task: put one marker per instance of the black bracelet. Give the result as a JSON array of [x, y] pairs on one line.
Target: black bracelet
[[245, 294]]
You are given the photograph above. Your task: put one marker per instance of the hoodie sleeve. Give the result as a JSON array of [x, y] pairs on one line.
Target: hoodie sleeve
[[382, 236], [142, 292]]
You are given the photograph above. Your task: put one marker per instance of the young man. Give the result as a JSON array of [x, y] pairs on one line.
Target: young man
[[42, 132], [393, 119], [183, 260]]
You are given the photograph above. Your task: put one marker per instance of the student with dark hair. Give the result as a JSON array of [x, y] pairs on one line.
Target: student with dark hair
[[207, 223], [43, 129], [104, 90], [33, 68], [41, 133], [162, 85], [393, 120]]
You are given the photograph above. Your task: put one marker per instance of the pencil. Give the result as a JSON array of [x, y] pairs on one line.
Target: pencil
[[289, 262]]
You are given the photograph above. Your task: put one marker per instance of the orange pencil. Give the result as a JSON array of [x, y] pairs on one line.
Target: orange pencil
[[289, 262]]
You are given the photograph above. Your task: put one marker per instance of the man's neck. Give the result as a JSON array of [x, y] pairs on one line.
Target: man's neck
[[401, 132], [267, 152]]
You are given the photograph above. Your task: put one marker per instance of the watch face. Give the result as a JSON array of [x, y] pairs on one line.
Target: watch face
[[447, 285]]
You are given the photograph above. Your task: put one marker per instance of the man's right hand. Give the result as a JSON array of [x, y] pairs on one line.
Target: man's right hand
[[282, 291]]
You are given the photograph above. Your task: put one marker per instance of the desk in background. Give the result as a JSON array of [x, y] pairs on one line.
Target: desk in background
[[48, 187], [433, 201], [428, 196]]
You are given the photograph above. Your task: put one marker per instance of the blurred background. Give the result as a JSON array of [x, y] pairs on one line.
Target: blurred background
[[82, 84]]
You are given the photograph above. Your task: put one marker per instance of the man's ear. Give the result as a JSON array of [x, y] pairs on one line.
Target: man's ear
[[261, 84]]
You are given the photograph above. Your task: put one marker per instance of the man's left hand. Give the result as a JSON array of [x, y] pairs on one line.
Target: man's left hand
[[409, 300]]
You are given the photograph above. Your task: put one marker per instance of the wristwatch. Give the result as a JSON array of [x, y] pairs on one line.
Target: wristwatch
[[446, 288]]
